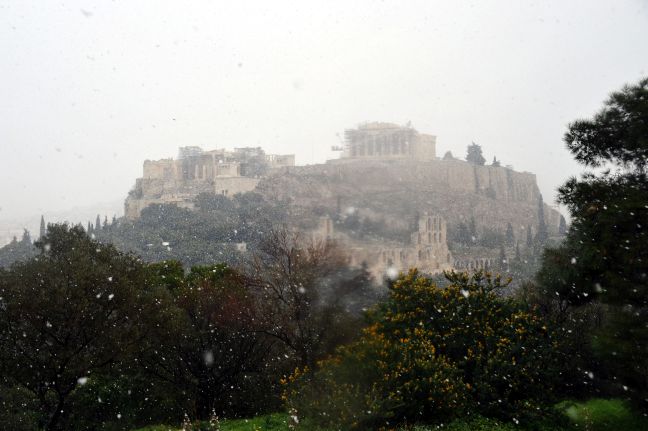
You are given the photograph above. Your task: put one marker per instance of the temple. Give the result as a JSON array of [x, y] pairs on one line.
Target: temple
[[388, 141]]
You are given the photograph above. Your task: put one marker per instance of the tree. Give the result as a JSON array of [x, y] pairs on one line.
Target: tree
[[496, 163], [617, 134], [448, 156], [43, 228], [562, 226], [604, 255], [474, 155], [304, 288], [541, 234], [208, 341], [97, 225], [431, 354], [529, 238], [66, 314]]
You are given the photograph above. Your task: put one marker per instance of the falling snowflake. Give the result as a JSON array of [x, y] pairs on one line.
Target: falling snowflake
[[392, 273], [208, 356]]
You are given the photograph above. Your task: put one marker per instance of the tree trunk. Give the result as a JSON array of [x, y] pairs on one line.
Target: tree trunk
[[205, 402], [56, 416]]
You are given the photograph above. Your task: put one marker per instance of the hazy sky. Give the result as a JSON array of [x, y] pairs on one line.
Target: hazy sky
[[90, 89]]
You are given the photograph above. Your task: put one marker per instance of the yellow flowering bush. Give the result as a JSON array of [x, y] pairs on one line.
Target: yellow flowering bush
[[432, 354]]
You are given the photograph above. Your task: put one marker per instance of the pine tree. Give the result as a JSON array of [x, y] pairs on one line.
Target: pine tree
[[518, 256], [604, 253], [98, 223]]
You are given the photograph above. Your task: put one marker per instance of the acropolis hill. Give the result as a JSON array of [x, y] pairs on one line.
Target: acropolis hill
[[386, 173]]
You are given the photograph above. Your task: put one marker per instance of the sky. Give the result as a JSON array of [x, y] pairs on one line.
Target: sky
[[90, 89]]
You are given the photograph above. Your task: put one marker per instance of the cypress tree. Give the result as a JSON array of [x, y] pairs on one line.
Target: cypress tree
[[562, 227], [541, 235], [43, 229]]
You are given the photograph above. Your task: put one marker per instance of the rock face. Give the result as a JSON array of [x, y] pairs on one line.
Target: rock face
[[399, 190]]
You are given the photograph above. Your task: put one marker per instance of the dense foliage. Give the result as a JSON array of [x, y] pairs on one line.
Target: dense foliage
[[431, 355], [69, 313], [214, 231], [92, 338], [604, 257]]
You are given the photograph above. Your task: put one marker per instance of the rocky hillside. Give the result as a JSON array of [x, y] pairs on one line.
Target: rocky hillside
[[395, 191]]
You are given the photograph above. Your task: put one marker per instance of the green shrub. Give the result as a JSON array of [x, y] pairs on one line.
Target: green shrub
[[431, 355]]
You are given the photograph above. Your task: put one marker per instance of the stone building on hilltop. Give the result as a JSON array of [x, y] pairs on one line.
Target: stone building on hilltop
[[377, 140], [197, 171]]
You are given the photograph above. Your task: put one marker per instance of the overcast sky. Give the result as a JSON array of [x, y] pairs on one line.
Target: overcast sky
[[90, 89]]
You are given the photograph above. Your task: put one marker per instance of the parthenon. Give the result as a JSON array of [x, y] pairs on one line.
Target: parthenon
[[388, 140]]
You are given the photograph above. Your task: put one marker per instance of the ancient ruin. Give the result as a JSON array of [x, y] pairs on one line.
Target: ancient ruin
[[388, 199], [388, 141], [179, 181]]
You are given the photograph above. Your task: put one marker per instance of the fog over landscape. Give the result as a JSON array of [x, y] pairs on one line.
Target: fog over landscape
[[323, 215], [92, 89]]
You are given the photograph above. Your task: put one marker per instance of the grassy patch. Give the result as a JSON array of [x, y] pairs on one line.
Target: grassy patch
[[274, 422], [604, 414], [592, 415]]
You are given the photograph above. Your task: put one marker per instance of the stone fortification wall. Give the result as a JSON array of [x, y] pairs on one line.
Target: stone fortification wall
[[398, 190], [499, 183], [148, 191], [196, 171]]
